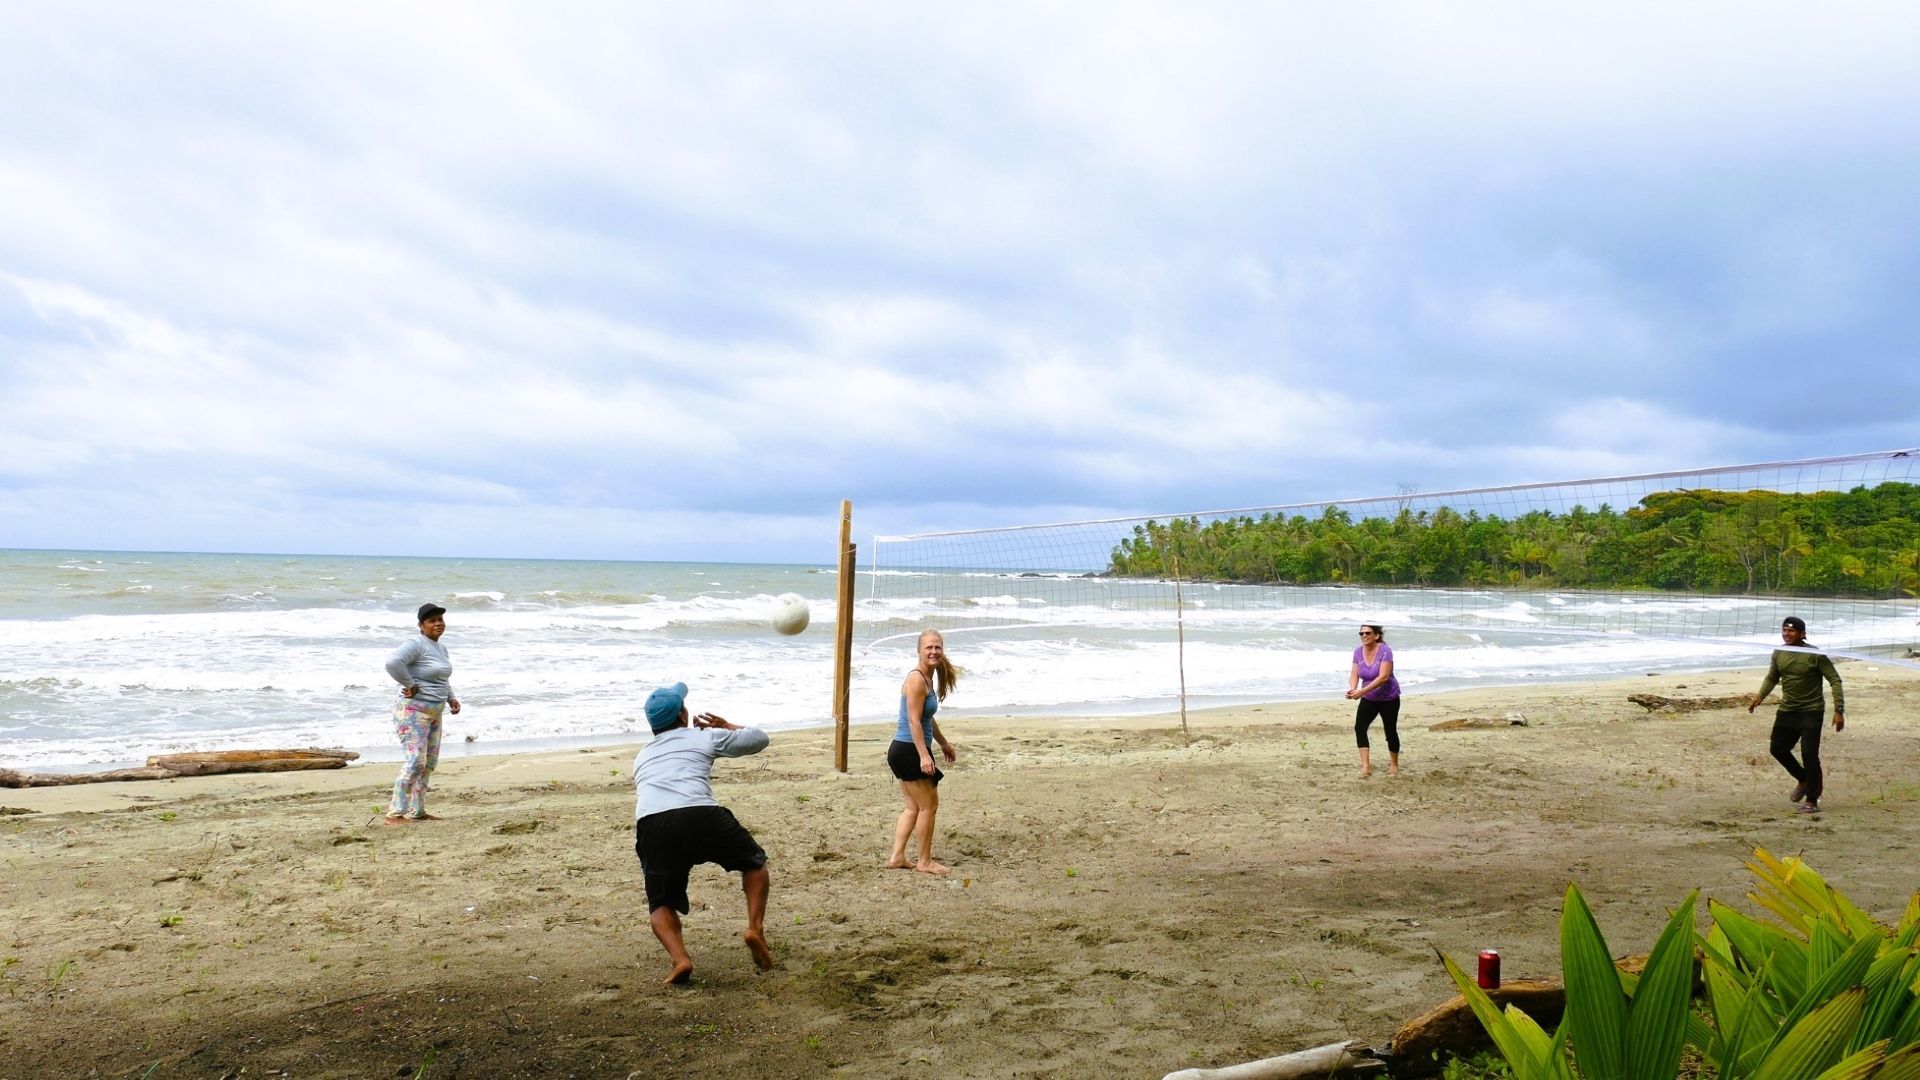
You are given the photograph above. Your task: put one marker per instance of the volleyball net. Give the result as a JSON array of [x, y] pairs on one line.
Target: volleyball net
[[1710, 556]]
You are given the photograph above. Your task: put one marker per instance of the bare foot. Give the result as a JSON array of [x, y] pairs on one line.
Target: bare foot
[[899, 864], [1393, 770], [681, 974], [934, 868], [757, 945], [395, 819], [1364, 773]]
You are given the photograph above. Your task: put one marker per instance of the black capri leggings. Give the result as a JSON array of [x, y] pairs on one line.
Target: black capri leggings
[[1389, 713]]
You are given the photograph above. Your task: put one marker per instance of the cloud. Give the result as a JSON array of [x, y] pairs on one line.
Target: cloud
[[977, 266]]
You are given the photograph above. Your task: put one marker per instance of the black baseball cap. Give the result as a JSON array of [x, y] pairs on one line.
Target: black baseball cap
[[428, 610]]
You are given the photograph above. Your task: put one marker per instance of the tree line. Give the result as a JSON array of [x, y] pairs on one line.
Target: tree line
[[1863, 542]]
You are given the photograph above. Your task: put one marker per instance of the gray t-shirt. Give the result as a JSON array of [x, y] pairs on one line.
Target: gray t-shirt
[[676, 768], [423, 664]]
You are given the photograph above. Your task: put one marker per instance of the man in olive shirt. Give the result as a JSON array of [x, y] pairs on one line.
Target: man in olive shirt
[[1802, 705]]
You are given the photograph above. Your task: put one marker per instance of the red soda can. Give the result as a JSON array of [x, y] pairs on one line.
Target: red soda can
[[1489, 969]]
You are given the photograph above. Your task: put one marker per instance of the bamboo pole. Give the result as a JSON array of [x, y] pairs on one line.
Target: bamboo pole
[[843, 639]]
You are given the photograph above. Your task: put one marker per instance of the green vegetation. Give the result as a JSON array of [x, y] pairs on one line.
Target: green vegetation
[[1484, 1066], [1825, 993], [1864, 542], [57, 973]]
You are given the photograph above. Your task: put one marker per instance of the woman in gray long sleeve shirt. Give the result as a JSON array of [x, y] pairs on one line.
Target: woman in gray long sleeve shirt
[[421, 667]]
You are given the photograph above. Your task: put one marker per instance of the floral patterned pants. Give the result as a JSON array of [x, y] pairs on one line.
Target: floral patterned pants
[[418, 725]]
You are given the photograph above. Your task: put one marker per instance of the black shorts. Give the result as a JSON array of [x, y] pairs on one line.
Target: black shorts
[[904, 760], [671, 843]]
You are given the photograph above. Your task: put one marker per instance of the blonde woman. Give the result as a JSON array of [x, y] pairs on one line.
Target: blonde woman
[[911, 756]]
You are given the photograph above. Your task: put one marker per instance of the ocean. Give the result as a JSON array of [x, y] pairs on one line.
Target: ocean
[[107, 657]]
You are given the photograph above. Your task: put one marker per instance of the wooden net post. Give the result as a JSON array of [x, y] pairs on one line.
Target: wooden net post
[[1180, 624], [843, 638]]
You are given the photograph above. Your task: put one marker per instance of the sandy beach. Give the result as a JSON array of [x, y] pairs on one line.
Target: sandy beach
[[1123, 903]]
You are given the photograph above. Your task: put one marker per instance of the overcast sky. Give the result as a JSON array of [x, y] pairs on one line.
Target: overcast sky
[[583, 281]]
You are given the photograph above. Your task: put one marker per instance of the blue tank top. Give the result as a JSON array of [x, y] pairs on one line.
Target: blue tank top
[[904, 733]]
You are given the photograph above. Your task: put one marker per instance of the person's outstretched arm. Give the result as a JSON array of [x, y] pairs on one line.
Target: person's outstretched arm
[[735, 740]]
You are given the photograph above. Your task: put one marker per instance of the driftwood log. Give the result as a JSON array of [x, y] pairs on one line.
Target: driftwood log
[[209, 768], [1656, 703], [173, 766], [168, 761], [1339, 1058], [15, 778], [1477, 723], [230, 761], [1450, 1030]]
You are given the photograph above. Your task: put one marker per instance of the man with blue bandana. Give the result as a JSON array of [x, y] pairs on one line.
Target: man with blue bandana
[[678, 824]]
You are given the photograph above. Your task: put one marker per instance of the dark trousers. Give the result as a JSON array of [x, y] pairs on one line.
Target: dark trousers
[[1389, 713], [1802, 727]]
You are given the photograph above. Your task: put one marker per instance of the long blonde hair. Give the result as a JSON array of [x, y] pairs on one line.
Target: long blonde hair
[[945, 673]]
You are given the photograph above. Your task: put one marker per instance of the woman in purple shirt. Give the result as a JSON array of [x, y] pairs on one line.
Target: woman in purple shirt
[[1371, 683]]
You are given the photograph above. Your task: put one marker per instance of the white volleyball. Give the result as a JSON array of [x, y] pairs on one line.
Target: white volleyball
[[790, 613]]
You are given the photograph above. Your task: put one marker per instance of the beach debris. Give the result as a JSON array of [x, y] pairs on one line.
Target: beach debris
[[1450, 1029], [1479, 723], [14, 778], [10, 811], [204, 763], [1335, 1058], [1656, 703], [513, 828]]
